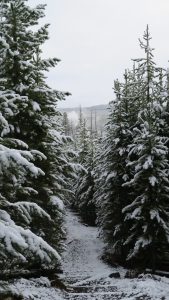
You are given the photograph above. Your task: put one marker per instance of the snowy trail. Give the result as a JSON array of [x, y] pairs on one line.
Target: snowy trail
[[86, 276], [83, 250], [83, 270]]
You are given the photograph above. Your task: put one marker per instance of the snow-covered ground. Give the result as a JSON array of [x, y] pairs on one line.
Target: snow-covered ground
[[83, 268], [84, 249], [87, 276], [34, 289]]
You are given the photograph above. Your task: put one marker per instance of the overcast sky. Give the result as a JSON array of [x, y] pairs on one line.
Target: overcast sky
[[96, 39]]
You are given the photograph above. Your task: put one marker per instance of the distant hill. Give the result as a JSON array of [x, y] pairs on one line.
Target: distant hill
[[95, 107], [99, 114]]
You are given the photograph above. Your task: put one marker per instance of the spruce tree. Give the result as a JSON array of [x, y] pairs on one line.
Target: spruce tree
[[110, 195], [147, 213], [84, 185], [19, 246], [67, 128], [22, 71], [132, 181]]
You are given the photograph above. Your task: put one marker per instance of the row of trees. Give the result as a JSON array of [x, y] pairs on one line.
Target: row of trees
[[131, 167], [35, 164], [124, 179], [85, 145]]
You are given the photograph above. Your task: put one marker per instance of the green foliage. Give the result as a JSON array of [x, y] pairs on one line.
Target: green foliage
[[132, 183], [85, 144], [32, 122]]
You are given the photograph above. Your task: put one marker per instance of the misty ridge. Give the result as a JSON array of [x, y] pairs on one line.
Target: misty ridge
[[95, 116]]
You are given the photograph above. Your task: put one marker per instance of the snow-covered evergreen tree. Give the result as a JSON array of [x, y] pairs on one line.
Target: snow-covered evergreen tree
[[67, 126], [111, 172], [84, 185], [19, 245], [132, 171], [35, 121], [147, 213]]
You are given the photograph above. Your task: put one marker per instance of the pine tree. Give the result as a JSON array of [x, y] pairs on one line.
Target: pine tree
[[84, 184], [111, 196], [66, 125], [19, 246], [22, 72], [132, 181], [147, 212]]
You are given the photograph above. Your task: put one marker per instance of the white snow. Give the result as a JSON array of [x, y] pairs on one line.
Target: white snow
[[82, 264], [156, 289], [84, 249], [82, 261], [35, 289], [56, 201], [148, 163], [21, 243], [36, 106], [153, 180]]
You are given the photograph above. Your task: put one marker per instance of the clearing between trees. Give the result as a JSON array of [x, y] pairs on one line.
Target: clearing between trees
[[86, 276]]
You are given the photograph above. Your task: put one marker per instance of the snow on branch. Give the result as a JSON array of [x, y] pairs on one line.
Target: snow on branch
[[22, 244]]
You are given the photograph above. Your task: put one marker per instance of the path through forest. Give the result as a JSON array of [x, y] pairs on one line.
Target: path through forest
[[84, 271], [88, 276]]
